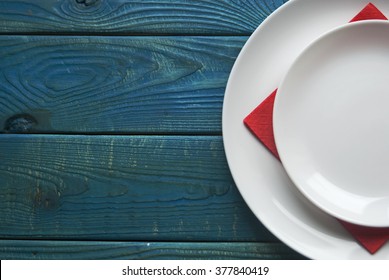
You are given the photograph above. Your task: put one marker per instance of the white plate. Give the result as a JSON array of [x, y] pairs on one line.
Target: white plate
[[331, 123], [261, 179]]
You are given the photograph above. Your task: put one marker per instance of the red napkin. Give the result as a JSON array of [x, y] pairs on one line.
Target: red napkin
[[259, 122]]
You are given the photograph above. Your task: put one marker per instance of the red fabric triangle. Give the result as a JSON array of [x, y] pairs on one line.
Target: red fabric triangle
[[370, 238], [260, 123], [369, 12]]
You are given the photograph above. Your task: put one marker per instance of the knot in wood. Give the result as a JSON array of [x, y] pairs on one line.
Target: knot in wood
[[87, 3], [46, 199], [21, 123]]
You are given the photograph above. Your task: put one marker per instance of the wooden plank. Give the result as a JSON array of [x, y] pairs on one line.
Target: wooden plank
[[58, 250], [204, 17], [140, 85], [121, 188]]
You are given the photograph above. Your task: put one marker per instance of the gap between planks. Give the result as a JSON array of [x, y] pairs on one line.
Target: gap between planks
[[194, 134], [123, 34]]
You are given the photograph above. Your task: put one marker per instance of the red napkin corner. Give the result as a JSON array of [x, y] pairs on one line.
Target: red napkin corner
[[260, 123]]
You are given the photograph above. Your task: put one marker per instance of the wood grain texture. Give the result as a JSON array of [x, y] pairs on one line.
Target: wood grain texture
[[58, 250], [168, 188], [140, 85], [201, 17]]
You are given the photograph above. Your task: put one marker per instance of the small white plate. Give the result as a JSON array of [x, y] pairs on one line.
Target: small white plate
[[331, 122], [259, 176]]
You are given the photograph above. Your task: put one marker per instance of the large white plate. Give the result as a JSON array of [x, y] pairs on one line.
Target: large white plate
[[260, 177], [331, 122]]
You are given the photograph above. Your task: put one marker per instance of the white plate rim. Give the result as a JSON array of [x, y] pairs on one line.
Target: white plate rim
[[315, 234]]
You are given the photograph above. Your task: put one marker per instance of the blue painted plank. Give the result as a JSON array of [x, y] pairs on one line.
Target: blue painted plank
[[59, 250], [161, 188], [204, 17], [141, 85]]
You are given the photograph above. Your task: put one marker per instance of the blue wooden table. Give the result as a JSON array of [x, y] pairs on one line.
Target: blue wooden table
[[111, 144]]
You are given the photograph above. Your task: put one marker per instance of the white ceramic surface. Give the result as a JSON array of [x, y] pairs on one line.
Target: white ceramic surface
[[260, 177], [331, 123]]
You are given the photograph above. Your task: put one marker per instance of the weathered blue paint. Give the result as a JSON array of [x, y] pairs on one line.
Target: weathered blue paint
[[121, 188], [142, 85], [111, 130], [38, 250], [125, 17]]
